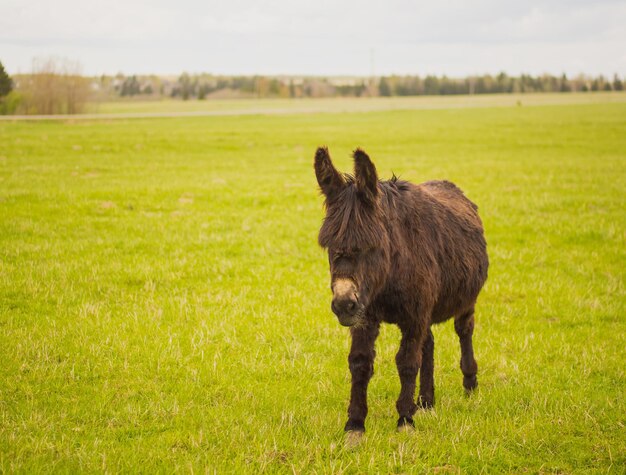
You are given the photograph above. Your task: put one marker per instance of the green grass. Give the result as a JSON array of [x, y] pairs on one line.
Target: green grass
[[164, 305], [169, 106]]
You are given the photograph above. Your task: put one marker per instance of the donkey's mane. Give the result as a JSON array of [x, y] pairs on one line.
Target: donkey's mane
[[352, 223], [394, 180]]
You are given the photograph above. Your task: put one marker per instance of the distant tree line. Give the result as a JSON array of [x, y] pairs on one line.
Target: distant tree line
[[204, 86], [57, 87], [487, 84]]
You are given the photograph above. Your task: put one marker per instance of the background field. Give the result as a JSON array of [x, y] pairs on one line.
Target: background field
[[164, 304], [175, 107], [350, 104]]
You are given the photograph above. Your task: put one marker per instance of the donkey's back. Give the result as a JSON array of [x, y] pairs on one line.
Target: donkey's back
[[451, 232], [450, 195]]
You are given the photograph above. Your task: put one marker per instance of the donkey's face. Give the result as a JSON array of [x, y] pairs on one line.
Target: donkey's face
[[354, 234]]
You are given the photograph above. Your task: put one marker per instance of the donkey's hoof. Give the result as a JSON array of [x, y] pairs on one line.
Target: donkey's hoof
[[406, 429], [425, 403], [353, 425], [354, 438], [470, 383], [406, 424]]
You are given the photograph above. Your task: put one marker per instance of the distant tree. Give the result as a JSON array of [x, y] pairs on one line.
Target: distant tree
[[6, 83], [360, 89], [595, 85], [261, 86], [431, 85], [185, 86], [618, 85], [203, 90], [383, 87], [54, 87], [549, 83], [503, 83], [9, 99], [471, 84], [402, 86], [274, 87], [416, 86], [130, 86]]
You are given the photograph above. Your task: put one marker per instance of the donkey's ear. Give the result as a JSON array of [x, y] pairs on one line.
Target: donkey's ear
[[330, 180], [365, 176]]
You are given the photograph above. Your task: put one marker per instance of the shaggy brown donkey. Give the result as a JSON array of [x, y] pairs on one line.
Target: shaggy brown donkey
[[400, 253]]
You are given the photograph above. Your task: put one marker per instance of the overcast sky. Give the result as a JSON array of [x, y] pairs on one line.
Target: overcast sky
[[318, 37]]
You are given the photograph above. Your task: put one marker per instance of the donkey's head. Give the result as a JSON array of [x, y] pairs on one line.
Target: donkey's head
[[354, 233]]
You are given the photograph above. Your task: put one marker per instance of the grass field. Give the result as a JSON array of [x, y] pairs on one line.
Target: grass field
[[349, 104], [164, 305]]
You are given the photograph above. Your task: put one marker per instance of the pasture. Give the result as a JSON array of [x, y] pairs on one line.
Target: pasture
[[164, 305], [347, 104]]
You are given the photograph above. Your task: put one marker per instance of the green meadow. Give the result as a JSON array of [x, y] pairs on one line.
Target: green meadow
[[164, 306], [346, 104]]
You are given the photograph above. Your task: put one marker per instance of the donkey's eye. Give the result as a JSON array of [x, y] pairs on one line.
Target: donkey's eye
[[342, 257], [338, 256]]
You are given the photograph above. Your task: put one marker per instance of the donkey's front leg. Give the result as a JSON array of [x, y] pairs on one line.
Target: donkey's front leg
[[361, 361], [408, 361], [426, 398]]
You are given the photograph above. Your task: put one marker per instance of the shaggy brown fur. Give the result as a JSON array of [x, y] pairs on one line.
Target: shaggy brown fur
[[412, 255]]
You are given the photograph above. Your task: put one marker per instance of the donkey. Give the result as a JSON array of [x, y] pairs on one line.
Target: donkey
[[411, 255]]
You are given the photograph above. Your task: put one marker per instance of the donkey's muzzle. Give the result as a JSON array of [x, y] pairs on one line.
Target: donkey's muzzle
[[345, 302], [344, 307]]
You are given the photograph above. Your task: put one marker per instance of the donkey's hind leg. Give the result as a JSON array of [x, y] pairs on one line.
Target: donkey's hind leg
[[426, 398], [464, 326]]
